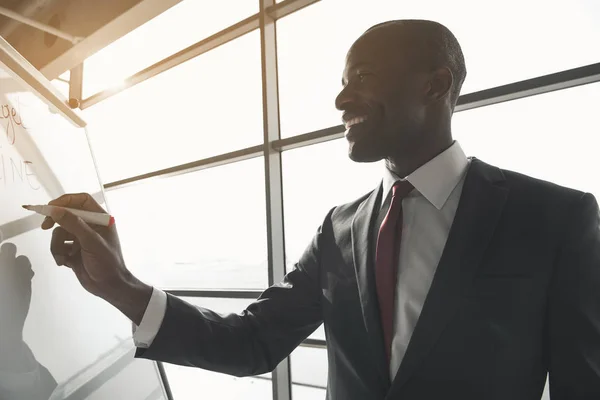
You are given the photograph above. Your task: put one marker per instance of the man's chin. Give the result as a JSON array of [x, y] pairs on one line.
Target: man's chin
[[358, 152]]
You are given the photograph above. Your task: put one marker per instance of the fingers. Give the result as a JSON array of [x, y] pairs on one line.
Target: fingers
[[82, 201], [47, 223], [60, 246], [88, 239], [64, 248]]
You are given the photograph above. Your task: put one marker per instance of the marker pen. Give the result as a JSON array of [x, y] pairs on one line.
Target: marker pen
[[90, 217]]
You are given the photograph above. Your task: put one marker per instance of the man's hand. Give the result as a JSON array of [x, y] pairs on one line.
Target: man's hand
[[94, 254]]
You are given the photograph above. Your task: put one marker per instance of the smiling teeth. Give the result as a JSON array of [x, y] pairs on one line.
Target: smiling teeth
[[355, 121]]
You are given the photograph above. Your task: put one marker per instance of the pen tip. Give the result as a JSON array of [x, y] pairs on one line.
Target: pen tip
[[26, 207]]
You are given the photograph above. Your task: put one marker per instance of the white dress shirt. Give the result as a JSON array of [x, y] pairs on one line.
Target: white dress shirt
[[144, 334], [428, 212], [427, 215]]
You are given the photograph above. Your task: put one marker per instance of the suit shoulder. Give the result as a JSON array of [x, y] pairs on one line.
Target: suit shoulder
[[540, 189], [345, 212], [349, 209]]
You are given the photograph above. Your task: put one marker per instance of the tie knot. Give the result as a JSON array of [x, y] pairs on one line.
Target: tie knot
[[402, 188]]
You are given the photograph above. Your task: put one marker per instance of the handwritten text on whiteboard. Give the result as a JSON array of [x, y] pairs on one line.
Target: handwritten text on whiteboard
[[13, 170]]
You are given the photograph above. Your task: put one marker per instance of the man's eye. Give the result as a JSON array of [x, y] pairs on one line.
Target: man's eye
[[362, 76]]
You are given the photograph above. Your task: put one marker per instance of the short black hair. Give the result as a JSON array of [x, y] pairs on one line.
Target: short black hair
[[443, 47]]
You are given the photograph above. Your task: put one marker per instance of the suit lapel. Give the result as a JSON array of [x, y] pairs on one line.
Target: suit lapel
[[478, 212], [361, 250]]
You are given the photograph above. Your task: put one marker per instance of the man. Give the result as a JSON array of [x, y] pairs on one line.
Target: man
[[453, 279]]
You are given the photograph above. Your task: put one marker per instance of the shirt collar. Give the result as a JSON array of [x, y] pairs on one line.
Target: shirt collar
[[437, 178]]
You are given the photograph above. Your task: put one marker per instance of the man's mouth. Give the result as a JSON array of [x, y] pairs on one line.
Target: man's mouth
[[355, 121]]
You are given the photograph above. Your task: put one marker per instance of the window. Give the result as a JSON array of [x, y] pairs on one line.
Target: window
[[62, 84], [315, 179], [503, 42], [62, 87], [552, 136], [319, 333], [309, 373], [206, 106], [186, 383], [189, 383], [220, 305], [204, 229], [305, 392], [175, 29]]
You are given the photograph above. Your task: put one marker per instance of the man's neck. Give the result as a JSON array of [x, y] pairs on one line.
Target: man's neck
[[403, 166]]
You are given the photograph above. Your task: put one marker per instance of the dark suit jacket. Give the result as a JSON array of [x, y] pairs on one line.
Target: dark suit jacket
[[516, 294]]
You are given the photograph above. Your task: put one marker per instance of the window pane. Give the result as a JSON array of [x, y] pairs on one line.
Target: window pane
[[220, 305], [206, 106], [62, 84], [175, 29], [315, 179], [319, 333], [311, 60], [309, 373], [193, 383], [63, 87], [186, 383], [300, 392], [552, 136], [204, 229]]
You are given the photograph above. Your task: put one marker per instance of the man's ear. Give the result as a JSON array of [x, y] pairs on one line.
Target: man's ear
[[439, 85]]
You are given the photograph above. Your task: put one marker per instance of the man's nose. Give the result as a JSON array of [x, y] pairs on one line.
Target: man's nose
[[345, 97]]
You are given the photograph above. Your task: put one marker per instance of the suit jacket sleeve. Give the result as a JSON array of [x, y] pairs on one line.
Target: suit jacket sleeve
[[254, 341], [574, 308]]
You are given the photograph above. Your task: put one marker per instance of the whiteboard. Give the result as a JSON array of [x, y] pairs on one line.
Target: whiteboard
[[56, 340]]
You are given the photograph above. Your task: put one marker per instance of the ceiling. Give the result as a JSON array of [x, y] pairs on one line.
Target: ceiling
[[76, 17]]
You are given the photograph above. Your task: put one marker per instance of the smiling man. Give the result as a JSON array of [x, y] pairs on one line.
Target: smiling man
[[452, 279], [389, 72]]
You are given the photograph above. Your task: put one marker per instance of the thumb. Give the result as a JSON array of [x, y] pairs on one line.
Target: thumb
[[86, 236]]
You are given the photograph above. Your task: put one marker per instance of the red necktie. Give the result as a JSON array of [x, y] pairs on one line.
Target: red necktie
[[386, 261]]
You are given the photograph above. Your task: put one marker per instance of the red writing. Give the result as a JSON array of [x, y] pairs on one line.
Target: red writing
[[17, 172], [12, 119]]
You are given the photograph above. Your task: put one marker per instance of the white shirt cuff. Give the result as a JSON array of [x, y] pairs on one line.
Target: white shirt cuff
[[144, 334]]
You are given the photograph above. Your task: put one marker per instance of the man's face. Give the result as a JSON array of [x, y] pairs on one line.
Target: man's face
[[381, 98]]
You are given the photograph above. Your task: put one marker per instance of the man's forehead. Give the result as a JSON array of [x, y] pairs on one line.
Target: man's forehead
[[374, 48], [386, 33], [383, 37]]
